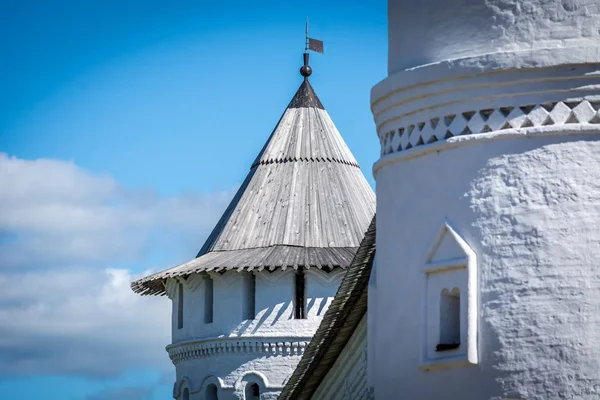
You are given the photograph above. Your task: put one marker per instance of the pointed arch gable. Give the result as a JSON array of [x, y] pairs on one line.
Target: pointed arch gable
[[449, 259], [447, 249]]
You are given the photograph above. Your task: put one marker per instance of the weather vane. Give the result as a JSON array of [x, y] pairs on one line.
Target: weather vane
[[311, 44]]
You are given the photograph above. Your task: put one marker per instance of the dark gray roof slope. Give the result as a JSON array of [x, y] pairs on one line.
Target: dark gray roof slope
[[305, 97], [338, 324], [305, 202]]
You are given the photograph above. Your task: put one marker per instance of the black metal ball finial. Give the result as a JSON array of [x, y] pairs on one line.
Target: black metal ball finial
[[305, 71]]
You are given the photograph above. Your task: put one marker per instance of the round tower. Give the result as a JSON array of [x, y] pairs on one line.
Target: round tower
[[245, 308], [488, 202]]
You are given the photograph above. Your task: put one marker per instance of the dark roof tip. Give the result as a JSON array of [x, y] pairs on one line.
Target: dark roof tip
[[305, 97]]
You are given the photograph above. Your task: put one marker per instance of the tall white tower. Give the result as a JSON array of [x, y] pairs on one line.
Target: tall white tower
[[246, 307], [488, 202]]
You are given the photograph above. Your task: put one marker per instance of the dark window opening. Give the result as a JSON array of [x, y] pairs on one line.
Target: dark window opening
[[249, 289], [449, 320], [180, 307], [252, 391], [300, 300], [208, 300], [211, 392]]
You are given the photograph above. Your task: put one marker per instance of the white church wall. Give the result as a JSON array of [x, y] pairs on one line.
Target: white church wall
[[274, 305], [489, 120], [530, 209], [347, 378]]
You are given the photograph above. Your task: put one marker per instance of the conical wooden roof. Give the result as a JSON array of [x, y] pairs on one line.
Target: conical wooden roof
[[305, 203]]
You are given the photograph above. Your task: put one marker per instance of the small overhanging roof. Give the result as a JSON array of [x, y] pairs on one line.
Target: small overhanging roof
[[339, 323], [304, 203], [258, 259]]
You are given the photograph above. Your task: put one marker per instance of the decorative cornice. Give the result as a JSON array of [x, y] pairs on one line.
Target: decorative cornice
[[579, 116], [488, 120], [272, 346]]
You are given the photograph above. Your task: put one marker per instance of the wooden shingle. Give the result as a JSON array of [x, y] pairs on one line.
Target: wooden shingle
[[305, 203]]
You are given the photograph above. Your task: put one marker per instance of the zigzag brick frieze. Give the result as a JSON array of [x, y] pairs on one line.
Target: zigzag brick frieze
[[490, 120]]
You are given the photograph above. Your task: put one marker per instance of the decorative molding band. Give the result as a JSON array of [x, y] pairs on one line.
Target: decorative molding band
[[489, 120], [530, 64], [215, 347]]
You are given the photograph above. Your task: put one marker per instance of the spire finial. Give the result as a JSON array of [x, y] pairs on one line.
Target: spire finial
[[311, 44], [306, 43]]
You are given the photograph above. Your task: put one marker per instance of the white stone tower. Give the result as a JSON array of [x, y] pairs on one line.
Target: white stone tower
[[488, 202], [246, 307]]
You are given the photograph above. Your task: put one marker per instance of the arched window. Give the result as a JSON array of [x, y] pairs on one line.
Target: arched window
[[252, 391], [449, 320], [211, 392], [186, 394]]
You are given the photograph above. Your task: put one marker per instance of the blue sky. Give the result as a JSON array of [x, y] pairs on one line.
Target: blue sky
[[125, 128]]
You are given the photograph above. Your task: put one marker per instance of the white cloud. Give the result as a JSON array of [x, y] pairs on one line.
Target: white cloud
[[79, 322], [62, 308], [52, 211]]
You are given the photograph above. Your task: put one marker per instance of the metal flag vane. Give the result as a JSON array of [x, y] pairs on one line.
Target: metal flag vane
[[311, 44]]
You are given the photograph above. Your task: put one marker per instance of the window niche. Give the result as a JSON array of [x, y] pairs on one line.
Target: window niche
[[449, 320], [300, 294], [252, 391], [449, 314], [208, 300], [249, 296], [180, 306], [211, 392]]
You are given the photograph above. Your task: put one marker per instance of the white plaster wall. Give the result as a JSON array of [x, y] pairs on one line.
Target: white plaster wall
[[273, 325], [232, 371], [490, 118], [274, 305], [530, 209], [428, 31], [347, 378]]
